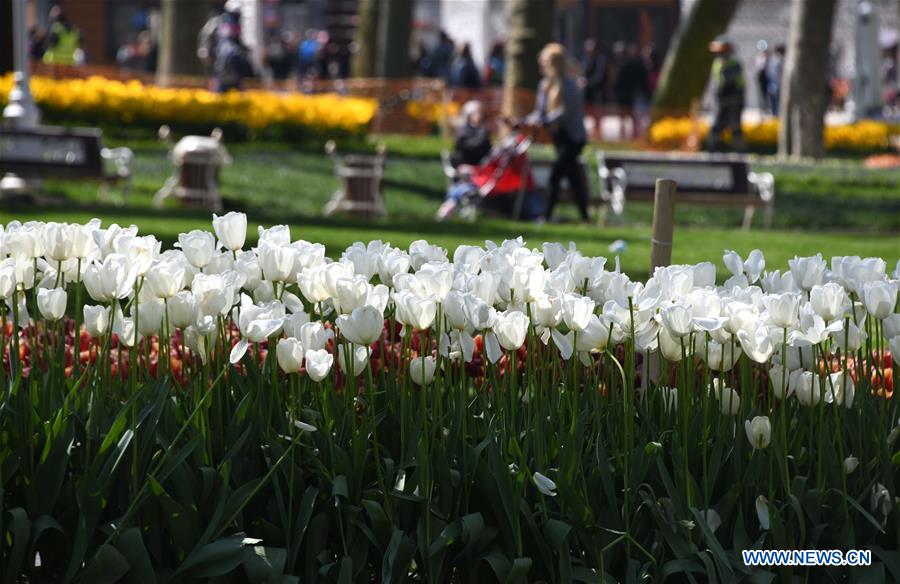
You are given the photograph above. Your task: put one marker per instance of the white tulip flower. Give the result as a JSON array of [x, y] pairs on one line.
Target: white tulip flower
[[149, 317], [511, 329], [363, 326], [544, 484], [52, 303], [96, 319], [231, 229], [359, 359], [880, 298], [318, 364], [759, 431], [762, 512], [276, 261], [289, 353], [850, 464], [422, 369], [729, 400]]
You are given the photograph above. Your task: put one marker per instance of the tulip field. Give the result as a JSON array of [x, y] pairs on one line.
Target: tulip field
[[509, 412]]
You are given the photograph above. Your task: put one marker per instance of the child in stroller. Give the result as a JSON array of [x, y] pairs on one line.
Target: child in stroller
[[501, 185]]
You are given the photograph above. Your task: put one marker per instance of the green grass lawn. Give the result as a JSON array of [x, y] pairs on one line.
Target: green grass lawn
[[837, 208]]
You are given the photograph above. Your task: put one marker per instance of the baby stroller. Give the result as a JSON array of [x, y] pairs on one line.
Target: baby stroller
[[501, 186]]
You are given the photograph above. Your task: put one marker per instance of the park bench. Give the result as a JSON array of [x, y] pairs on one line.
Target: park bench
[[716, 180], [361, 192], [64, 153]]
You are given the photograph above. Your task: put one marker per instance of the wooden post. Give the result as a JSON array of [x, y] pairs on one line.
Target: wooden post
[[663, 223]]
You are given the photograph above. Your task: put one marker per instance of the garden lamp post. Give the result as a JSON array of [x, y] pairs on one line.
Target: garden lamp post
[[20, 111]]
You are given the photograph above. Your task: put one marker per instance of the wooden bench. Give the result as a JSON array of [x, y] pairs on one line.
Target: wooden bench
[[717, 180], [64, 153], [362, 191]]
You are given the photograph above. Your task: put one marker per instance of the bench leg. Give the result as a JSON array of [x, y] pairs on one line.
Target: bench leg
[[748, 218]]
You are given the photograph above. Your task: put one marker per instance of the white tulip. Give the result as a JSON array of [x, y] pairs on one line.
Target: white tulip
[[880, 298], [577, 311], [276, 261], [829, 301], [96, 319], [294, 322], [165, 279], [850, 464], [247, 263], [806, 387], [314, 336], [783, 309], [181, 309], [729, 400], [363, 326], [149, 317], [221, 262], [52, 303], [762, 512], [359, 359], [7, 278], [511, 329], [779, 381], [318, 364], [277, 234], [544, 484], [891, 326], [841, 389], [807, 272], [289, 353], [894, 345], [58, 240], [231, 229], [415, 311], [669, 397], [110, 279], [421, 370], [759, 432], [677, 319]]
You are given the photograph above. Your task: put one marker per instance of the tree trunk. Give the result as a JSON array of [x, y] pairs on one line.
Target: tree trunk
[[394, 34], [366, 39], [804, 95], [181, 21], [685, 71], [530, 28], [6, 37]]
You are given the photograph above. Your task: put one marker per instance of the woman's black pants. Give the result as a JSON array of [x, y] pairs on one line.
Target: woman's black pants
[[566, 166]]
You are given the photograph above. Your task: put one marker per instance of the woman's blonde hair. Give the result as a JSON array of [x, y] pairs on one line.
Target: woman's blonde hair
[[555, 55]]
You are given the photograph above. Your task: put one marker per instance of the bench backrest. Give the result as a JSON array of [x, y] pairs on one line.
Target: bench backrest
[[48, 152], [710, 175]]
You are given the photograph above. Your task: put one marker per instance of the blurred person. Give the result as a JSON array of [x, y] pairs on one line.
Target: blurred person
[[774, 71], [37, 38], [139, 54], [595, 66], [232, 63], [442, 56], [559, 107], [889, 75], [463, 71], [422, 61], [473, 140], [632, 86], [728, 91], [63, 41], [653, 61], [761, 68], [280, 55], [307, 52], [471, 145], [208, 37], [495, 69]]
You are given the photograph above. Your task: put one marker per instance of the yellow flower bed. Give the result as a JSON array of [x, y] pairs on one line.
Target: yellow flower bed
[[863, 136], [432, 112], [132, 101]]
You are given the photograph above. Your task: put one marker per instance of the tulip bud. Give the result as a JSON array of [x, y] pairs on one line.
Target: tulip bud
[[511, 329], [7, 277], [165, 279], [880, 298], [759, 431], [544, 484], [52, 303], [729, 400], [850, 464], [149, 317], [421, 370], [290, 355]]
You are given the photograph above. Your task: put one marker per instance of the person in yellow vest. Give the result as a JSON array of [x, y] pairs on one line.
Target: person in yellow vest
[[728, 91], [63, 41]]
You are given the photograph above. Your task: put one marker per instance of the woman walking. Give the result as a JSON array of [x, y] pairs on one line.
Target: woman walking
[[560, 108]]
